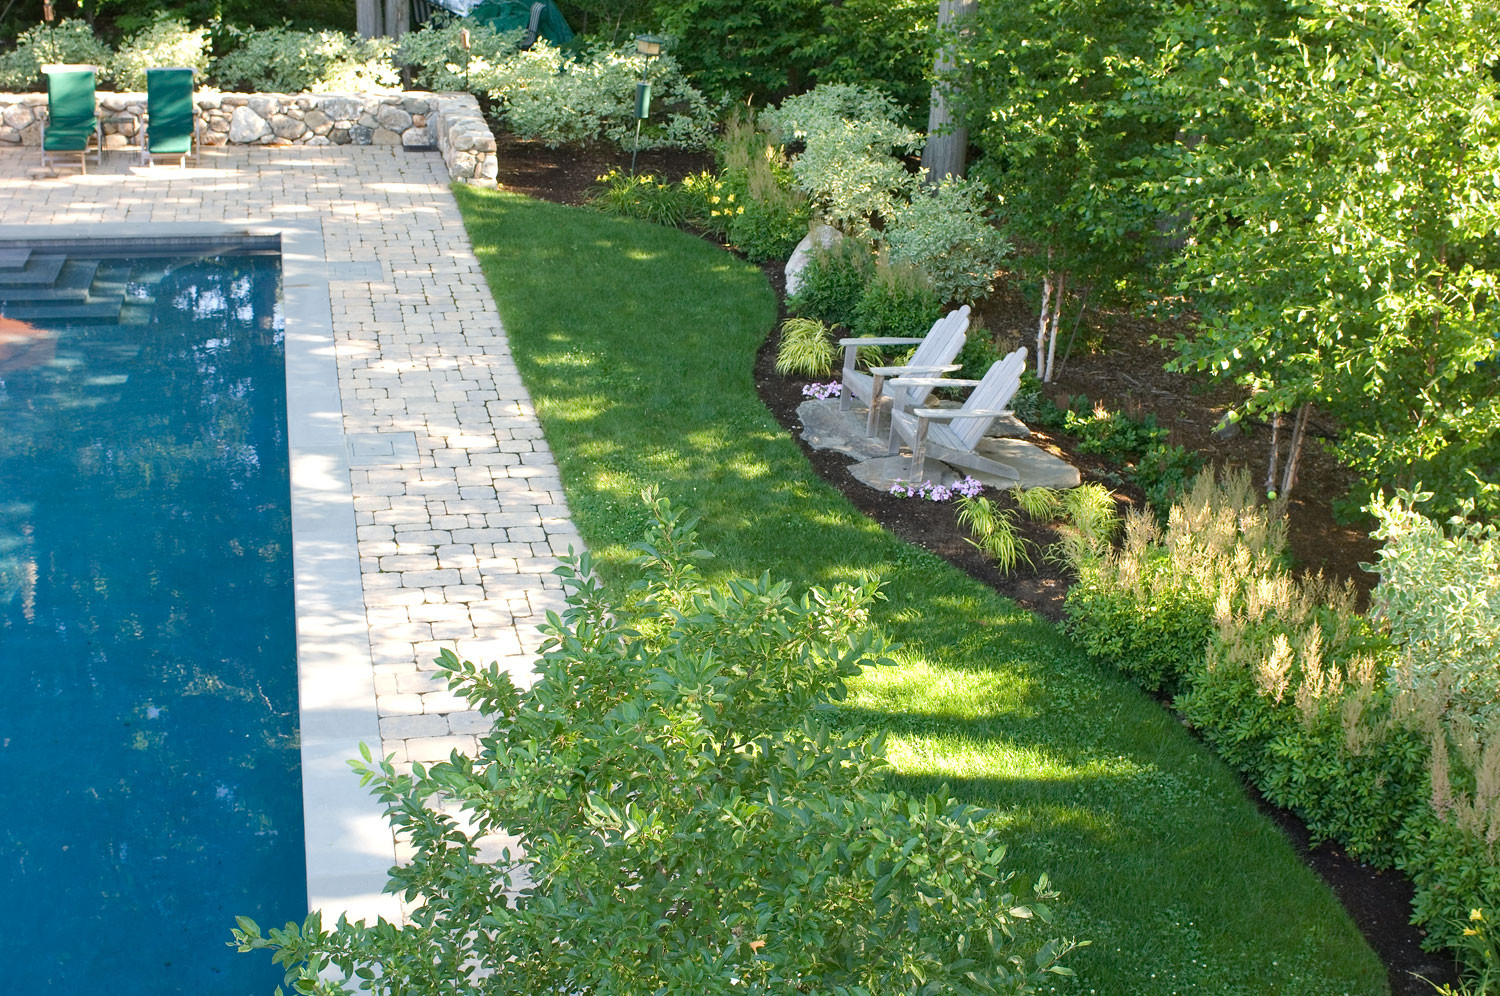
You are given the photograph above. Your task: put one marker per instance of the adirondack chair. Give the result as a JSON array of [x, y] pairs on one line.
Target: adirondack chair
[[71, 114], [171, 121], [950, 434], [934, 355]]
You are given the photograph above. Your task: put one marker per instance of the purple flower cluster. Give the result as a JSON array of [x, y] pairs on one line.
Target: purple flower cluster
[[822, 392], [966, 488]]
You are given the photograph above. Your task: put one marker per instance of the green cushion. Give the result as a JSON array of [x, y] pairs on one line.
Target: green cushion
[[169, 110], [70, 110]]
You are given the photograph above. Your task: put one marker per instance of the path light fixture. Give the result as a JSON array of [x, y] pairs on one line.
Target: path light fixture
[[650, 47]]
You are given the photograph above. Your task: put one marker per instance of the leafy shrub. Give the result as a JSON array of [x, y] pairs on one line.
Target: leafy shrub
[[642, 197], [692, 821], [1114, 434], [1164, 472], [847, 165], [900, 301], [1148, 608], [165, 41], [544, 94], [436, 59], [70, 41], [281, 60], [833, 282], [946, 233], [1439, 593], [806, 347]]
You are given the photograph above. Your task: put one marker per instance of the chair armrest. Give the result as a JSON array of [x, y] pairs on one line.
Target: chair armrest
[[932, 382], [899, 370], [879, 341], [944, 414]]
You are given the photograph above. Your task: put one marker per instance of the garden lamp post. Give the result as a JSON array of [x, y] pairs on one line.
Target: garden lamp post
[[650, 47]]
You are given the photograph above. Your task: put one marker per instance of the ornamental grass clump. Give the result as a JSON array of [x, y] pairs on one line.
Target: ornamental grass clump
[[642, 196], [806, 347], [691, 819]]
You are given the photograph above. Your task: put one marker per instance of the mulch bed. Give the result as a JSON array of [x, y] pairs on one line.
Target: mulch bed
[[1124, 373]]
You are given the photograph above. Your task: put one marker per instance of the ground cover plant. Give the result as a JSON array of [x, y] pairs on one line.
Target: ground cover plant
[[1091, 781]]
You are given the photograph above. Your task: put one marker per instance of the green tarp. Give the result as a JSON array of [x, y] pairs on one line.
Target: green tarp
[[513, 15]]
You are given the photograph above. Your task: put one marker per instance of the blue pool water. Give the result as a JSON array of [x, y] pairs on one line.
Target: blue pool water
[[150, 787]]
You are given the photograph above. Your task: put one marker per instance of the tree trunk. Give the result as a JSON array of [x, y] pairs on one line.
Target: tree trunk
[[369, 18], [1059, 295], [1294, 450], [397, 18], [947, 145], [1041, 326]]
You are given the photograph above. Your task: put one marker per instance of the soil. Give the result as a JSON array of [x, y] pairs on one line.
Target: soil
[[1115, 362]]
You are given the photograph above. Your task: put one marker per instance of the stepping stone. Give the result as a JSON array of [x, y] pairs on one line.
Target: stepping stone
[[1037, 468], [825, 427]]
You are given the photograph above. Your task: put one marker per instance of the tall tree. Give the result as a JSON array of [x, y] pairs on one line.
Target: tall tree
[[947, 149], [1054, 93], [1346, 225]]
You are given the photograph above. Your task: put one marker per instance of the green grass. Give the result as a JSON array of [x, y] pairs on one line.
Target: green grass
[[637, 344]]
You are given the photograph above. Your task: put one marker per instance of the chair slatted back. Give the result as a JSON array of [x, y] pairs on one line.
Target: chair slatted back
[[943, 342], [994, 392], [70, 107], [169, 110]]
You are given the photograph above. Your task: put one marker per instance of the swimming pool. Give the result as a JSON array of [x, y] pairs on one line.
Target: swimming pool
[[149, 761]]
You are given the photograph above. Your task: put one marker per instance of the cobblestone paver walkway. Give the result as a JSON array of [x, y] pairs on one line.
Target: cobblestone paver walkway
[[459, 511]]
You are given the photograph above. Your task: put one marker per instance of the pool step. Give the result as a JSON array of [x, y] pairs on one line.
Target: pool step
[[91, 311], [37, 269], [73, 283], [13, 259]]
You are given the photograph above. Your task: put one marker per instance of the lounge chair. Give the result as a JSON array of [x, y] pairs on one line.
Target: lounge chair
[[934, 355], [950, 434], [71, 114], [171, 118]]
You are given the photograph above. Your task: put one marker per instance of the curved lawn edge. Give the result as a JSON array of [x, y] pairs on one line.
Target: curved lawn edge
[[637, 344]]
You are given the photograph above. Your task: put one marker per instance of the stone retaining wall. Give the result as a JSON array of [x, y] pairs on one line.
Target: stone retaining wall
[[451, 122]]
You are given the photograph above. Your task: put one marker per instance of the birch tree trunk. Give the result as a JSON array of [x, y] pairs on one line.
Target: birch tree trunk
[[947, 146], [1042, 323]]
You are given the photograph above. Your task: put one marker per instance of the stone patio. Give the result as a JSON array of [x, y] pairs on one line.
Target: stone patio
[[456, 501]]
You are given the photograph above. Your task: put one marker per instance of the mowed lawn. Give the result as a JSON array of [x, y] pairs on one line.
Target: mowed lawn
[[637, 344]]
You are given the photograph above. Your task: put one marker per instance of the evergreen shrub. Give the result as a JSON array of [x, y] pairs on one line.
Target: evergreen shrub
[[833, 282]]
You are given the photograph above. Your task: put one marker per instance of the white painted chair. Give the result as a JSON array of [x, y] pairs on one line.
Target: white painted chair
[[934, 355], [950, 434]]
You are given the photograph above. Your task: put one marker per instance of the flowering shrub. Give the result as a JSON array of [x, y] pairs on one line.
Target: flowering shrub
[[822, 392], [846, 166], [282, 60], [166, 41], [966, 488], [545, 95], [945, 231], [69, 41], [642, 196], [436, 60]]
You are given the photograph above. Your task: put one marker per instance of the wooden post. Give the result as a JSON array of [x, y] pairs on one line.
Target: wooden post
[[947, 146]]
